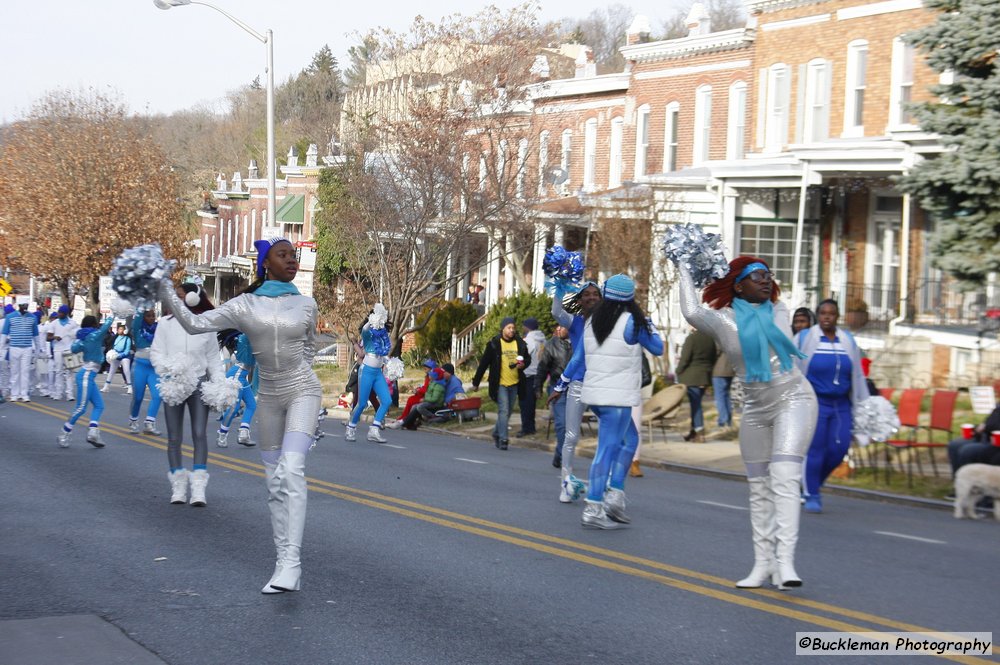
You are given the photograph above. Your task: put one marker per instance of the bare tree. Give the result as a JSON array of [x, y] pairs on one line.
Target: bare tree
[[604, 31], [81, 181], [436, 165], [725, 15]]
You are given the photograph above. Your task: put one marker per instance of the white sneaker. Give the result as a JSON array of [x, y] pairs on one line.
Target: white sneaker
[[105, 387], [223, 440], [351, 433], [133, 425], [128, 390], [395, 424], [94, 437], [149, 427], [63, 439], [594, 517], [614, 505], [566, 493], [572, 489], [244, 437], [375, 434]]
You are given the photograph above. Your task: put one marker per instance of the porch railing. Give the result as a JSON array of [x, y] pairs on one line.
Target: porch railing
[[461, 342], [932, 302]]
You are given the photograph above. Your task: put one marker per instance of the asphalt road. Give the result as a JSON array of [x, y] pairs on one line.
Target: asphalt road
[[438, 549]]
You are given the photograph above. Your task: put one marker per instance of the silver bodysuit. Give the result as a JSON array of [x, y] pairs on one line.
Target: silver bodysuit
[[281, 331], [779, 416]]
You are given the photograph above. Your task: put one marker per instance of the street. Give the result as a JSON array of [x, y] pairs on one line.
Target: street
[[439, 549]]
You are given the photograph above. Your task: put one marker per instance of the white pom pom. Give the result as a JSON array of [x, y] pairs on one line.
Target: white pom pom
[[394, 369], [378, 317], [121, 309], [111, 355], [875, 418], [177, 379], [220, 394]]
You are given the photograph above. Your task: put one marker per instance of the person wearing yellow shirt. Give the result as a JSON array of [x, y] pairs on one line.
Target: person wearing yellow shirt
[[505, 358]]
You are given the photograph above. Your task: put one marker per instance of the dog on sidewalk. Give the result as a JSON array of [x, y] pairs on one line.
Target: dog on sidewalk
[[972, 483]]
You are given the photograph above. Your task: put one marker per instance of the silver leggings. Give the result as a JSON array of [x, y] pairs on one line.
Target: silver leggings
[[574, 421], [778, 422], [287, 406], [174, 416]]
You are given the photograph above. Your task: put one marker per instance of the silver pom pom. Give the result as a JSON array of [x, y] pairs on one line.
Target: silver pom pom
[[702, 253], [121, 309], [394, 369], [220, 394], [177, 379], [875, 418], [111, 355], [378, 317], [137, 273]]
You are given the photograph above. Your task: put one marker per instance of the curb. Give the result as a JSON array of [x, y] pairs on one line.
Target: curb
[[839, 490]]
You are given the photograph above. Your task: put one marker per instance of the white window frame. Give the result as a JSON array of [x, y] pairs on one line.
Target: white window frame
[[671, 129], [590, 155], [856, 81], [904, 58], [816, 109], [543, 160], [642, 116], [615, 152], [702, 125], [779, 97], [484, 168], [736, 122], [463, 203], [522, 167], [566, 157], [253, 225]]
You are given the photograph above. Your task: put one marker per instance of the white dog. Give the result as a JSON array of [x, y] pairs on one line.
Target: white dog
[[972, 483]]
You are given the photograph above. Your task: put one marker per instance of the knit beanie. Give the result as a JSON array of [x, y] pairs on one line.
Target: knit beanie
[[507, 320], [619, 287], [531, 323]]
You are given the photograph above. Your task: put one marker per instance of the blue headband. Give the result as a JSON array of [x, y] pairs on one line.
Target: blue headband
[[263, 247], [757, 265]]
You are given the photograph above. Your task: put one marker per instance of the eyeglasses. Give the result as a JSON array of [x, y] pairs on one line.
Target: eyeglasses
[[760, 276]]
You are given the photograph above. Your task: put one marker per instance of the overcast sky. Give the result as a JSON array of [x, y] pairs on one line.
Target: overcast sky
[[163, 61]]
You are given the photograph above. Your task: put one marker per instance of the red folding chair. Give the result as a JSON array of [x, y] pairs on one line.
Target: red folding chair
[[886, 393], [909, 416], [942, 414]]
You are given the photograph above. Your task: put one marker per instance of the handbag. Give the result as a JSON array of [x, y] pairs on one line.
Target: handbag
[[72, 361], [647, 374]]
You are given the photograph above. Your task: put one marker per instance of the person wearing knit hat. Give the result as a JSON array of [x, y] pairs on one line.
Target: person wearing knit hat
[[572, 312], [534, 339], [20, 338], [751, 326], [417, 397], [505, 357], [613, 343]]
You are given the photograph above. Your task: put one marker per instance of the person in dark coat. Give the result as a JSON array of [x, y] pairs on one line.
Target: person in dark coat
[[555, 357], [694, 370], [505, 357]]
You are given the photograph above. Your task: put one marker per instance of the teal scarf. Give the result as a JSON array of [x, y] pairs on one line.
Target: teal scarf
[[755, 325], [272, 288]]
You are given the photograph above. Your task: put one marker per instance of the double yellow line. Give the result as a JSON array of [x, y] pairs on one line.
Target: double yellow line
[[787, 605]]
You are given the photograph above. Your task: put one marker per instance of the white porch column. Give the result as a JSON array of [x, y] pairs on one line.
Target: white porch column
[[450, 288], [558, 235], [493, 274], [537, 274], [510, 284]]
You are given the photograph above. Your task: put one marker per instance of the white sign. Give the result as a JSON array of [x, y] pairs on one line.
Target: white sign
[[303, 281], [984, 400], [269, 231], [106, 294]]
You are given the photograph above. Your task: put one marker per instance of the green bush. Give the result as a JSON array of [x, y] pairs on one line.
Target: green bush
[[521, 306], [434, 340]]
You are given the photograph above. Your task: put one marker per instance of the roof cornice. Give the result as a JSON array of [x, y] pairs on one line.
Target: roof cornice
[[726, 40], [590, 85], [765, 6]]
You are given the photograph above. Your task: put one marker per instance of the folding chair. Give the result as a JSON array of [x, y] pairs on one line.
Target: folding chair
[[663, 406], [942, 414], [909, 416], [886, 393]]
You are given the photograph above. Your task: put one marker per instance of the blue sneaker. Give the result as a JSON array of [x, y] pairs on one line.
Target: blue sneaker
[[814, 504]]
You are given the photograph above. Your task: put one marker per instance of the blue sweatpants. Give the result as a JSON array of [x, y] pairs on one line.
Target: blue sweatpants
[[372, 378], [87, 391], [617, 439], [144, 376], [249, 408], [830, 441]]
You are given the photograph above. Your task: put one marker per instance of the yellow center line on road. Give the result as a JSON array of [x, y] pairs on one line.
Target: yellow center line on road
[[758, 599]]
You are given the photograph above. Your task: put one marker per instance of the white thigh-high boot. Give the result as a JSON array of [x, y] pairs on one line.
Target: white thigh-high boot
[[762, 528], [785, 491], [279, 520], [292, 469]]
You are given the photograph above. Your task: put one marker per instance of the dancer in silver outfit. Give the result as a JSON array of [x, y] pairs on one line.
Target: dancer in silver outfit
[[779, 412], [280, 324]]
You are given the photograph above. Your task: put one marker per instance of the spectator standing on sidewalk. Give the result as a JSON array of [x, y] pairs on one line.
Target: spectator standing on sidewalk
[[551, 363], [534, 339], [722, 382], [505, 358], [694, 370]]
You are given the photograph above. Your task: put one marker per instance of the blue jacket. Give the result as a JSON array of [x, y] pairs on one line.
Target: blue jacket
[[91, 342]]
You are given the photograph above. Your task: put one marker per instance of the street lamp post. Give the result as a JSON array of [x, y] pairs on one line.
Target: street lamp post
[[268, 40]]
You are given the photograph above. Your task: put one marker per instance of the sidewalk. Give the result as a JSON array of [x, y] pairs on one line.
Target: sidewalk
[[719, 456]]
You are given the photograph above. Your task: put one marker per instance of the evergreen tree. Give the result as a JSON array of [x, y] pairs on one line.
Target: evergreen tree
[[960, 188]]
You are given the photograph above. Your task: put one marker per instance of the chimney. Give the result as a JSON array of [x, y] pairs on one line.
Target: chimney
[[237, 182], [698, 21], [311, 155], [252, 171], [585, 65], [639, 32], [293, 157], [220, 183]]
